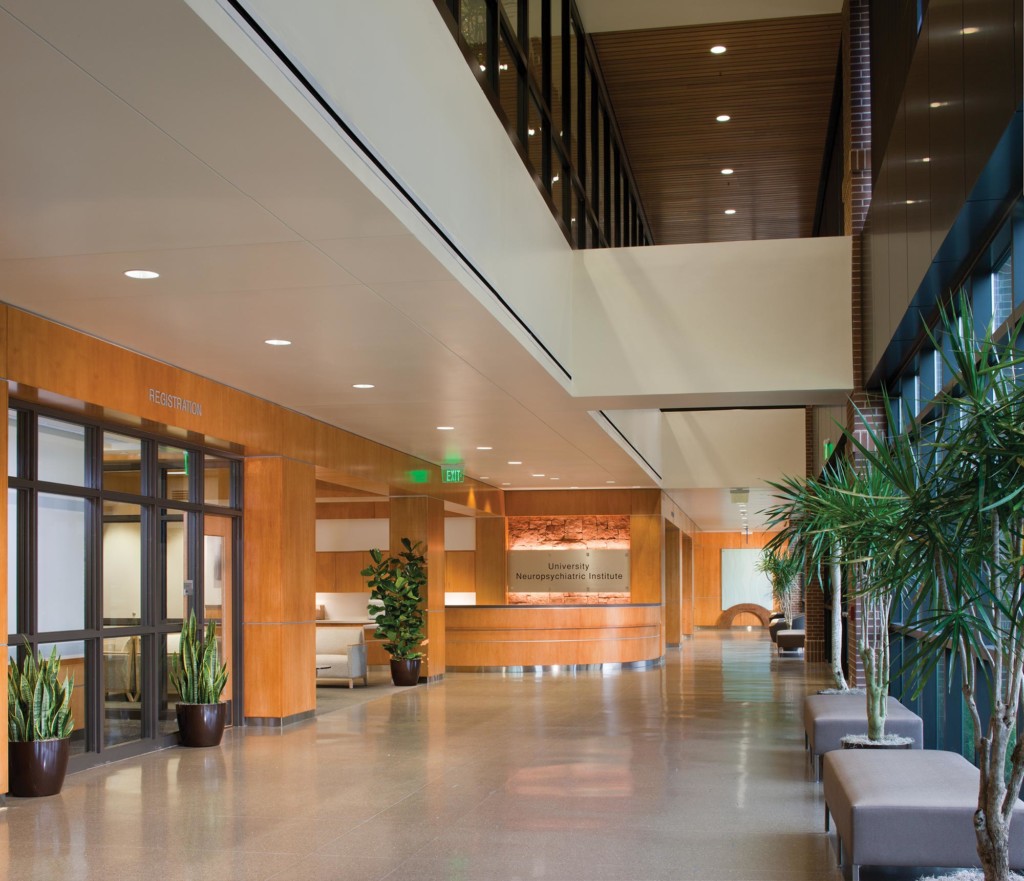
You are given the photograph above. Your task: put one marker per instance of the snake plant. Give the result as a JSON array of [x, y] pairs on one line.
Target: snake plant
[[38, 703], [196, 671]]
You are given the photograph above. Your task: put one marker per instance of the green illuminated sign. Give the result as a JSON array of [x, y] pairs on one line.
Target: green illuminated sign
[[420, 475], [452, 475]]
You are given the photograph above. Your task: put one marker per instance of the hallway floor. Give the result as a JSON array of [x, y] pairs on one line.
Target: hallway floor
[[695, 770]]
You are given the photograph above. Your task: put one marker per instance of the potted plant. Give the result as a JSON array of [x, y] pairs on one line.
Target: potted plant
[[199, 678], [966, 517], [801, 517], [783, 571], [39, 725], [396, 583]]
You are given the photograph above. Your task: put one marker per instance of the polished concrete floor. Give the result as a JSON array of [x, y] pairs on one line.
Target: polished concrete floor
[[695, 770]]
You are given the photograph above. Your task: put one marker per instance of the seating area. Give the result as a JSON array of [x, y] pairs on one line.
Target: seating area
[[906, 809], [828, 718], [340, 655]]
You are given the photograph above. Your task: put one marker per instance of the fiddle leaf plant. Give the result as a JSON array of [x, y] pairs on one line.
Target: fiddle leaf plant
[[38, 702], [396, 582], [197, 673]]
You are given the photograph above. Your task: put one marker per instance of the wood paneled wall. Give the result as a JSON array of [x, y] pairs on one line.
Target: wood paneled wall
[[686, 578], [3, 563], [532, 503], [341, 571], [707, 560], [460, 571], [645, 558]]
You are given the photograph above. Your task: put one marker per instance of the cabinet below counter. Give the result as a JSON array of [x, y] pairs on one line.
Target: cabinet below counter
[[555, 635]]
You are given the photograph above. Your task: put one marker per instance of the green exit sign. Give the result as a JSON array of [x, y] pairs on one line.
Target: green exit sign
[[451, 475]]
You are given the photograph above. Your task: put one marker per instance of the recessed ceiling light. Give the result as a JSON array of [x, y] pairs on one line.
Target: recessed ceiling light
[[609, 481], [485, 448], [718, 50], [927, 159], [969, 31], [935, 104], [537, 475], [142, 273], [514, 462], [730, 210], [278, 342], [446, 428], [554, 478], [484, 477], [726, 171], [363, 385], [723, 117], [506, 484]]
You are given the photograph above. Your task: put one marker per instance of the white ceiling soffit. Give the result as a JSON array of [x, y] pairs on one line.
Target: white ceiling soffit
[[714, 510], [134, 138], [614, 15], [706, 449]]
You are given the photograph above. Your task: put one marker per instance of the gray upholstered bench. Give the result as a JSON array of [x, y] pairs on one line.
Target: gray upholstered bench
[[789, 640], [907, 808], [828, 718]]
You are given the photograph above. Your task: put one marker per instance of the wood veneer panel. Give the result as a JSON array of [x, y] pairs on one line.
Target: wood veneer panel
[[686, 579], [348, 568], [776, 83], [673, 586], [326, 566], [460, 571], [497, 618], [645, 535], [526, 503], [4, 587], [491, 561]]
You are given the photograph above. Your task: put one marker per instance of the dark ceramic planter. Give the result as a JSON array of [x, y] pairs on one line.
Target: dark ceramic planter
[[405, 671], [201, 724], [37, 767]]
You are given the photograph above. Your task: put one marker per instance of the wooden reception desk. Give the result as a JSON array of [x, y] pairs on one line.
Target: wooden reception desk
[[542, 636]]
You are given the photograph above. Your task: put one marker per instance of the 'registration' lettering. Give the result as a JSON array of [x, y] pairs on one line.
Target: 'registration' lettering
[[175, 402]]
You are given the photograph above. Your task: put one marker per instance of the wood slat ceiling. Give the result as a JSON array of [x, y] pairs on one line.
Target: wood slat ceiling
[[775, 81]]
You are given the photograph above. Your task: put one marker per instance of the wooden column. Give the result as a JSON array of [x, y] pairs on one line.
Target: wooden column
[[280, 587], [686, 577], [673, 587], [421, 519], [645, 562], [491, 561]]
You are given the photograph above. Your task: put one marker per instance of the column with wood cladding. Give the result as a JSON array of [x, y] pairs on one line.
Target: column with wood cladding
[[421, 519], [491, 561], [686, 576], [673, 587], [280, 588]]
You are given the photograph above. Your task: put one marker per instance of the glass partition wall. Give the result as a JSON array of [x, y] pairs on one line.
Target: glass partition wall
[[113, 537], [541, 74]]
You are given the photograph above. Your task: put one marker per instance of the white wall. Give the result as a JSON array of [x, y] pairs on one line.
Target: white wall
[[352, 535], [459, 534], [721, 319], [122, 570]]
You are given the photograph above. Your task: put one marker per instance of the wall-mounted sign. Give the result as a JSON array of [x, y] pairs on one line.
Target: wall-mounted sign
[[175, 402], [452, 474], [578, 571]]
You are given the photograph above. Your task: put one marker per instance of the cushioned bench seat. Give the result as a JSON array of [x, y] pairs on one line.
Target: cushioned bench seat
[[789, 640], [907, 808], [340, 655], [828, 718]]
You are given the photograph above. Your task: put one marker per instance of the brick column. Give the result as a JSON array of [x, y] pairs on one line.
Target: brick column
[[814, 599], [856, 201]]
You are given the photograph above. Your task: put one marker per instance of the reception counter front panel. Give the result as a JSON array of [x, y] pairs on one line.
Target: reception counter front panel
[[542, 636]]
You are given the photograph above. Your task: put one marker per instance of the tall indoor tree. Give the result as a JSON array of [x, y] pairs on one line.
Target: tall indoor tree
[[966, 517]]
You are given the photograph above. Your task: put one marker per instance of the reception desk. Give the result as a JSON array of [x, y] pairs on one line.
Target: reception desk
[[542, 636]]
